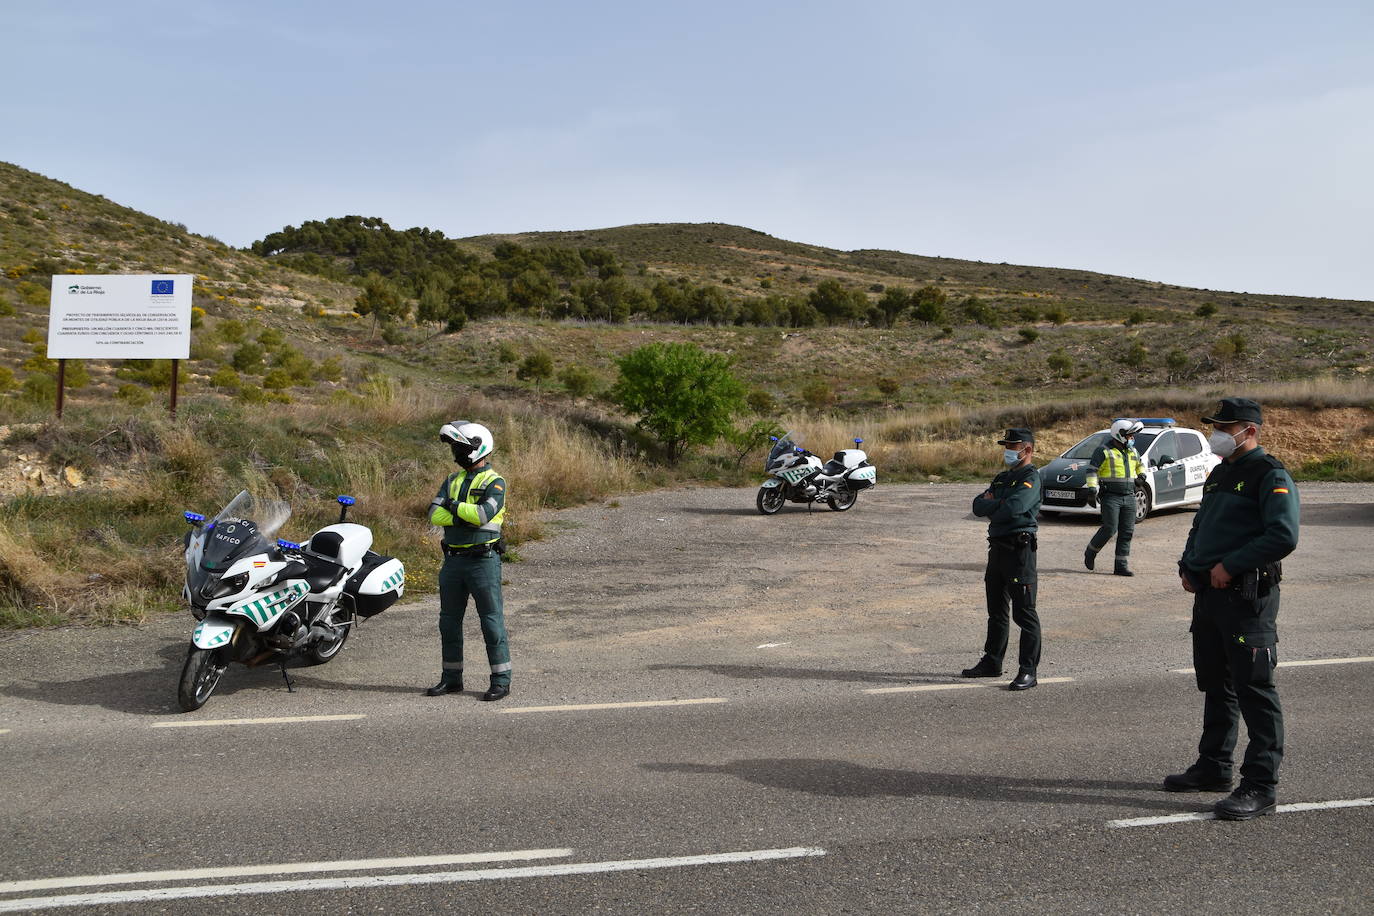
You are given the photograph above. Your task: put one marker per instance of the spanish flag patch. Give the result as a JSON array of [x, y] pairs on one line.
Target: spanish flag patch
[[1280, 489]]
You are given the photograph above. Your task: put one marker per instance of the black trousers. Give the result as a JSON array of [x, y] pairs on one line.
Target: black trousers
[[1235, 649], [1010, 581]]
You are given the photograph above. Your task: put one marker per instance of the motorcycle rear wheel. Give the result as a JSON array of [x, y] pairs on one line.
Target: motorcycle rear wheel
[[199, 677], [770, 500], [321, 650], [843, 500]]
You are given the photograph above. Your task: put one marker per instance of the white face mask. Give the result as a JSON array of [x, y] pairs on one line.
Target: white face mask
[[1011, 456], [1223, 444]]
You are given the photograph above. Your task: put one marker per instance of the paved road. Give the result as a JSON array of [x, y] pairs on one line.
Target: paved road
[[789, 648]]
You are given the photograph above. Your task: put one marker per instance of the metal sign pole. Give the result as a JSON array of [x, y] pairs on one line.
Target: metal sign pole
[[61, 384], [175, 364]]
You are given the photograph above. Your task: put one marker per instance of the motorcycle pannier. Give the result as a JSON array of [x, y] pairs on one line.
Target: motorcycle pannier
[[377, 584]]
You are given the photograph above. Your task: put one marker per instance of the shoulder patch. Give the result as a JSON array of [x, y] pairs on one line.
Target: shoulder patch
[[497, 486], [1027, 483], [1280, 489]]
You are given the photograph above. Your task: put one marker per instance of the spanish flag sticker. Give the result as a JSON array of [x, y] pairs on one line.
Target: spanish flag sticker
[[1280, 489]]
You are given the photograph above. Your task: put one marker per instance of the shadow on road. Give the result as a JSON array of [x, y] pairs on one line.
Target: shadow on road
[[719, 510], [153, 692], [842, 779], [759, 672], [1336, 515]]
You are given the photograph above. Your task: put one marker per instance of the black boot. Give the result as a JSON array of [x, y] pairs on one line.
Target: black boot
[[1244, 803], [1089, 557], [446, 685], [1122, 569], [1024, 680], [985, 668], [1197, 780], [496, 691]]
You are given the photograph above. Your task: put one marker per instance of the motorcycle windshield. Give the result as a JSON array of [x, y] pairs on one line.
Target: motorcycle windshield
[[267, 514], [784, 445], [247, 525]]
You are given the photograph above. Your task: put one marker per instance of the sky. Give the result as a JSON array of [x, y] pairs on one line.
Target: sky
[[1222, 145]]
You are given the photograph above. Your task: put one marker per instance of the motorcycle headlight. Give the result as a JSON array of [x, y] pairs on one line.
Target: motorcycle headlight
[[229, 586]]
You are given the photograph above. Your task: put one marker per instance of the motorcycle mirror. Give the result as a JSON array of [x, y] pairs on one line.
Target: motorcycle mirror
[[289, 545]]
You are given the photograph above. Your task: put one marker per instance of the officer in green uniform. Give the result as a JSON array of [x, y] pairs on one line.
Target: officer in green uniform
[[1118, 471], [1010, 505], [1247, 523], [470, 507]]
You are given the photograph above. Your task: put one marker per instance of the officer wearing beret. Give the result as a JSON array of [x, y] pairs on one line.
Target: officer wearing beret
[[1010, 505], [1247, 523]]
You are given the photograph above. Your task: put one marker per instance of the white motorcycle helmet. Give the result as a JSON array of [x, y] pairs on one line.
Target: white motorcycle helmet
[[471, 442], [1125, 429]]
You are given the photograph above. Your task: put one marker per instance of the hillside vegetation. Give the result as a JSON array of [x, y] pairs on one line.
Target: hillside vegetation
[[325, 357]]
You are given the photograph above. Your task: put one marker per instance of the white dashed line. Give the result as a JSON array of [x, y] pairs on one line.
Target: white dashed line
[[375, 881], [921, 688], [1301, 663], [1209, 816], [280, 868], [772, 645], [4, 731], [201, 723], [634, 705]]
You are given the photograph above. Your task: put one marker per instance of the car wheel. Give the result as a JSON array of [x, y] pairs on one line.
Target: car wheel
[[1142, 503]]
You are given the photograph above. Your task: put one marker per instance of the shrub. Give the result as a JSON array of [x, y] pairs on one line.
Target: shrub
[[1137, 356], [505, 353], [7, 307], [1136, 317], [1028, 313], [34, 294], [536, 367], [134, 395], [818, 394], [231, 330], [271, 337], [1057, 315], [1060, 363], [928, 305], [1206, 310], [248, 357], [276, 380], [682, 395], [197, 316], [978, 311], [1176, 361], [39, 389], [296, 364], [393, 334], [888, 386], [225, 378], [760, 401], [579, 380], [1029, 335], [311, 310], [7, 380], [156, 373], [330, 369]]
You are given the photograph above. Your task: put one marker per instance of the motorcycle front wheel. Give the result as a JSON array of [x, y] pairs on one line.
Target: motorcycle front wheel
[[770, 500], [322, 650], [199, 678], [843, 500]]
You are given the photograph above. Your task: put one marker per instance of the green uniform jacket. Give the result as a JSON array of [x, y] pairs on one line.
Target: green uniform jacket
[[1248, 516], [1014, 504], [470, 507]]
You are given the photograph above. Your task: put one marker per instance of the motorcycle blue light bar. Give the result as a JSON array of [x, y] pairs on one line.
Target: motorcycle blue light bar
[[193, 516], [289, 545], [858, 441], [346, 500], [773, 438]]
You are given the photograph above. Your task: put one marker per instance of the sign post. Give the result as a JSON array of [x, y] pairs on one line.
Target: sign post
[[119, 316]]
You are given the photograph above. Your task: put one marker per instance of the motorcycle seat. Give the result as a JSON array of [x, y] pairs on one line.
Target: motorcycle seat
[[321, 572]]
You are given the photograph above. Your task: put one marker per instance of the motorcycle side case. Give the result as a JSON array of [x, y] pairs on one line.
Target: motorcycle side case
[[861, 477], [377, 585]]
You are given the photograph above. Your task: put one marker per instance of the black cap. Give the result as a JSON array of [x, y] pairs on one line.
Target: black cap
[[1236, 410], [1018, 435]]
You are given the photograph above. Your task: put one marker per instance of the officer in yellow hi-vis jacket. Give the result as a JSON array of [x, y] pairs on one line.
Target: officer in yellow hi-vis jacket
[[1117, 466], [470, 507]]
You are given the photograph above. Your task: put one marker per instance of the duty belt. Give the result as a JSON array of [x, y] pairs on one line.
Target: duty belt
[[474, 550]]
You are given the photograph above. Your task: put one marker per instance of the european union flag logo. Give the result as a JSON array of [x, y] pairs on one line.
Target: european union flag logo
[[163, 287]]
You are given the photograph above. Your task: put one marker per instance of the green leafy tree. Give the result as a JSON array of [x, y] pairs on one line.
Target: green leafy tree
[[248, 357], [1137, 356], [928, 305], [836, 303], [380, 300], [895, 300], [1060, 363], [682, 395], [536, 367]]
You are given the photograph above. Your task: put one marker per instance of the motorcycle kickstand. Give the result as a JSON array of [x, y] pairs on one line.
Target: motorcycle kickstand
[[290, 684]]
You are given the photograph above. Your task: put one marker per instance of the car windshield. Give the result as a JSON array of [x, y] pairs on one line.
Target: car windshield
[[1083, 451]]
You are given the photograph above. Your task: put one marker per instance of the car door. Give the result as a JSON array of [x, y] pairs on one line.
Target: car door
[[1170, 473], [1197, 460]]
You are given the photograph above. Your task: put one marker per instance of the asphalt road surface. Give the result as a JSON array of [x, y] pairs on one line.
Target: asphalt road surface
[[713, 712]]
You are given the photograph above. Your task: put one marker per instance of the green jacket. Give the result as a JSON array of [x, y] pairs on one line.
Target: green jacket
[[1014, 504], [1248, 516], [470, 507]]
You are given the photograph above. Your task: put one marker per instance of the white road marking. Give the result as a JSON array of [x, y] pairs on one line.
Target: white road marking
[[1301, 663], [920, 688], [376, 881], [1209, 816], [634, 705], [772, 645], [200, 723], [4, 731], [279, 868]]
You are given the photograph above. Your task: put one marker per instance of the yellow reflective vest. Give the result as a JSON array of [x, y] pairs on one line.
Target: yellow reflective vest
[[479, 507], [1119, 463]]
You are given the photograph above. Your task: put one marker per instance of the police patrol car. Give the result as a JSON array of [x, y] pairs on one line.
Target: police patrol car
[[1176, 461]]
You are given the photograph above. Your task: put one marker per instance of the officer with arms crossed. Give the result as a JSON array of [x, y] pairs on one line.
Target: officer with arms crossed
[[1247, 523], [1118, 467], [1010, 505], [470, 507]]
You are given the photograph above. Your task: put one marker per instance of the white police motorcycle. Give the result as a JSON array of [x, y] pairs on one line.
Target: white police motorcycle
[[796, 475], [257, 599]]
